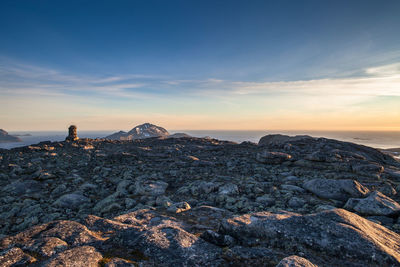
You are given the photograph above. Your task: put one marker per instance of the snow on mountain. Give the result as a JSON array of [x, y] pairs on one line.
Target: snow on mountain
[[146, 130]]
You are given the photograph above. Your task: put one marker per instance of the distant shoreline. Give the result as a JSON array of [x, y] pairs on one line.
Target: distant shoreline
[[386, 141]]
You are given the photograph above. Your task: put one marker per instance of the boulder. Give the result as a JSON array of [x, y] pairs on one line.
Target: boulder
[[328, 233], [71, 201], [375, 204], [368, 169], [340, 190]]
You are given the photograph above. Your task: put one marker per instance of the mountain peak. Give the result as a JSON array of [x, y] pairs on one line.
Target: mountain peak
[[145, 130]]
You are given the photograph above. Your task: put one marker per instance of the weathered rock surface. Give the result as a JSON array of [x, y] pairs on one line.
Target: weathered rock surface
[[336, 233], [151, 237], [15, 257], [139, 201], [78, 256]]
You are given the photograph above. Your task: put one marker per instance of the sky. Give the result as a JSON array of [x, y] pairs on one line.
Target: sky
[[234, 65]]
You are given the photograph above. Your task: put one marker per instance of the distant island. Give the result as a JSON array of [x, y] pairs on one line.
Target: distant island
[[146, 130], [23, 134], [6, 138]]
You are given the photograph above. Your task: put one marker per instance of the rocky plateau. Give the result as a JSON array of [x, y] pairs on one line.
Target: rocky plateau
[[286, 201]]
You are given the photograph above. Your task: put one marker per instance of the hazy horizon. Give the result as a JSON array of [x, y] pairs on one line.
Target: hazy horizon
[[182, 130], [205, 65], [377, 139]]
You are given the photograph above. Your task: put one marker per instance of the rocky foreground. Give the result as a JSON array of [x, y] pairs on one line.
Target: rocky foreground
[[288, 201]]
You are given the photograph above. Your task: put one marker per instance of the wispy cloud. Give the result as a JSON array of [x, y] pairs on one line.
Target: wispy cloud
[[27, 87], [16, 79], [27, 79]]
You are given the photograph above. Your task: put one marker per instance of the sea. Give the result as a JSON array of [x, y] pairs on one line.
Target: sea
[[377, 139]]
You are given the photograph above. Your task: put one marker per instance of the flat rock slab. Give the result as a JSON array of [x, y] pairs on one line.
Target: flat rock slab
[[336, 233]]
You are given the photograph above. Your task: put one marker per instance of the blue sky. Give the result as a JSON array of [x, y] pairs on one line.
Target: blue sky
[[200, 64]]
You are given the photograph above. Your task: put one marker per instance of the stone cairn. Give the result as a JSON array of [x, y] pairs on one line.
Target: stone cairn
[[72, 135]]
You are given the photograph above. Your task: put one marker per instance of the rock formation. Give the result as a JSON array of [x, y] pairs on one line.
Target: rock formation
[[72, 133], [199, 202]]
